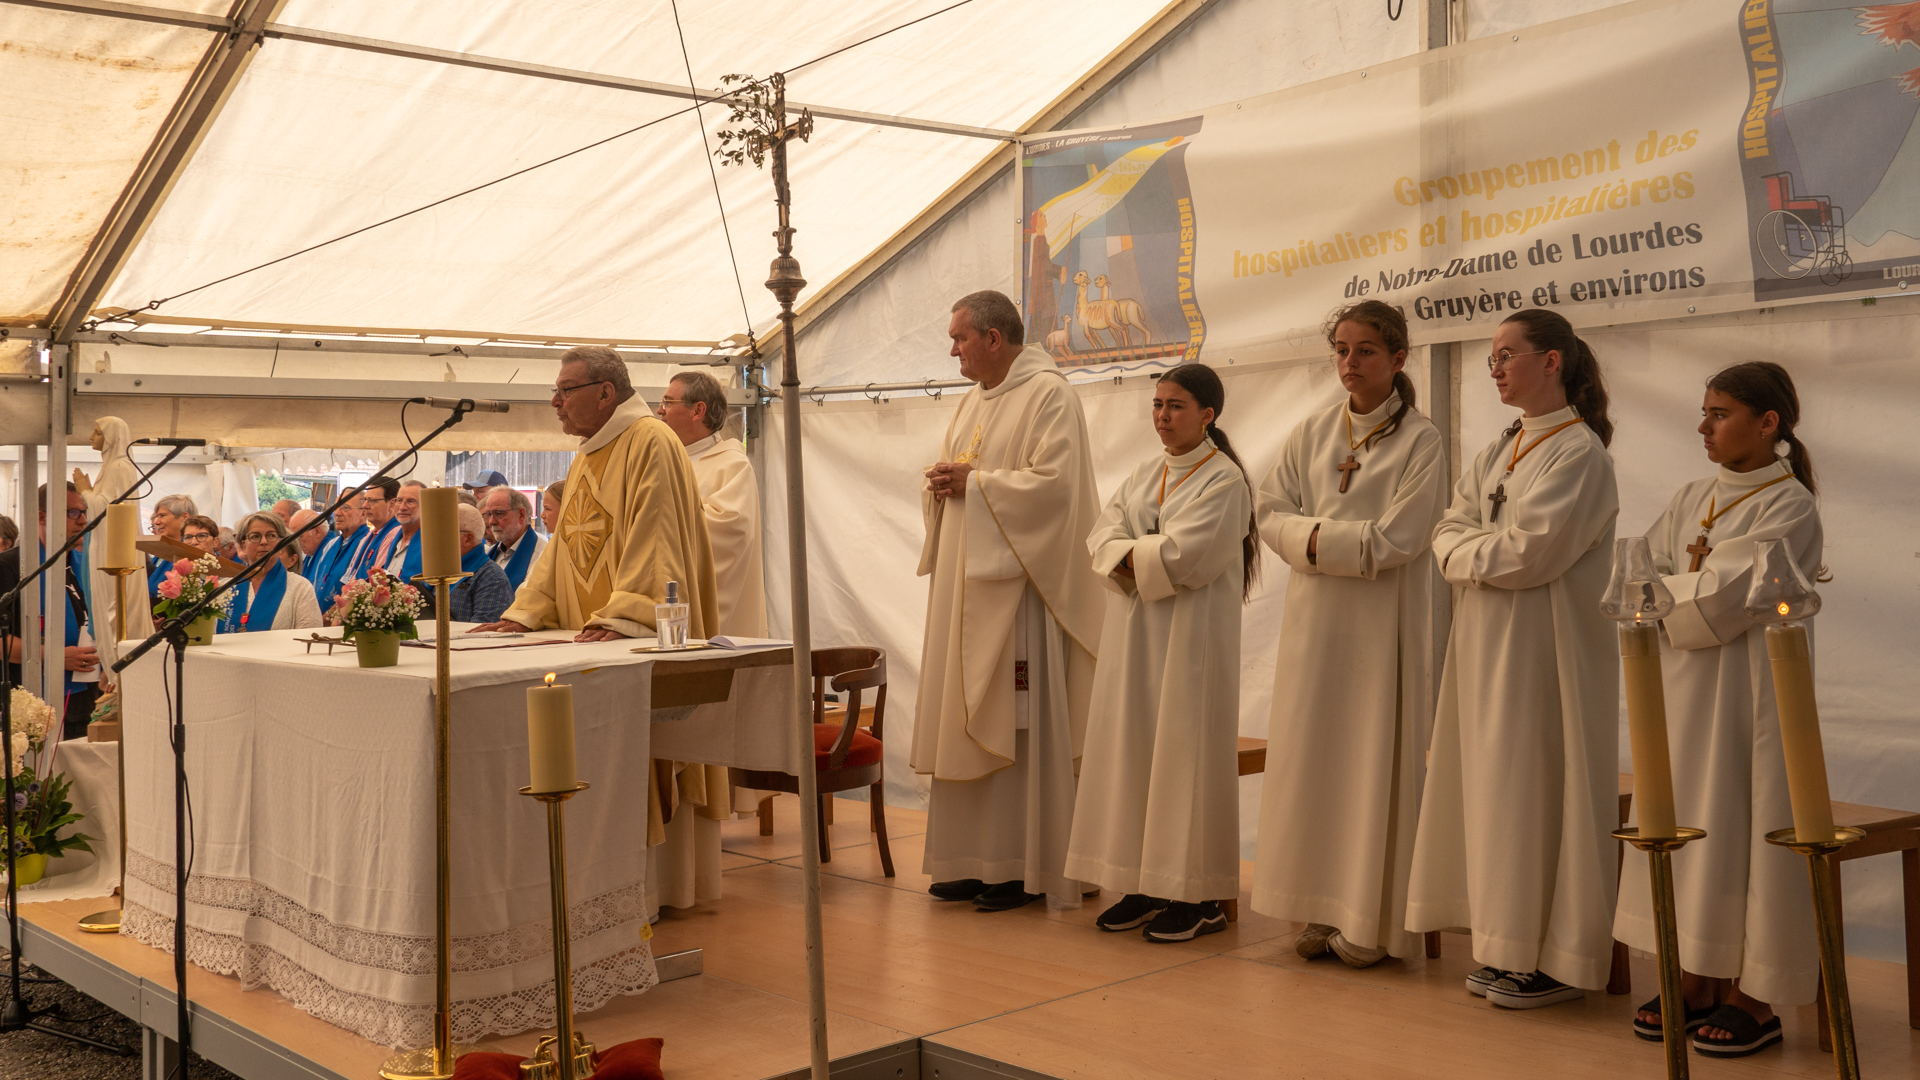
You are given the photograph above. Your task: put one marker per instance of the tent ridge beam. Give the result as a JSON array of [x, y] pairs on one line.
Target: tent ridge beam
[[290, 345], [133, 12], [609, 82]]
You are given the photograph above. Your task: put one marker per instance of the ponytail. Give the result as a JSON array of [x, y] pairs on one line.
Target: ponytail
[[1765, 387], [1549, 331], [1209, 393]]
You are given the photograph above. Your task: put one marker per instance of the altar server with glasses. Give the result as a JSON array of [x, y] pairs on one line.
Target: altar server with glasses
[[1157, 819], [1521, 795], [1351, 506], [1743, 906]]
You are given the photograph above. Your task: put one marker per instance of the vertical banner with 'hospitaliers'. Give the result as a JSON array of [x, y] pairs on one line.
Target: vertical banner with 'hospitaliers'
[[1658, 159]]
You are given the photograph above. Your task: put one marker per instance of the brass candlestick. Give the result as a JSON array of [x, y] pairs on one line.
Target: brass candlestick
[[436, 1062], [1673, 1004], [1833, 958], [108, 922], [549, 1062]]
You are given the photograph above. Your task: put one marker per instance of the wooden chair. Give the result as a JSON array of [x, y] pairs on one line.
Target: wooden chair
[[1887, 831], [845, 757]]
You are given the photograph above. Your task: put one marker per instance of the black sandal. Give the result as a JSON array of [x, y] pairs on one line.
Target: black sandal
[[1749, 1036], [1655, 1032]]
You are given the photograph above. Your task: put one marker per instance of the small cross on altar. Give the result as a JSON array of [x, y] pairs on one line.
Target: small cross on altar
[[1498, 498], [1347, 469], [1699, 550]]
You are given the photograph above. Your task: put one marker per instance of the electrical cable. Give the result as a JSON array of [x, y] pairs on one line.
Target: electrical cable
[[714, 171], [876, 37]]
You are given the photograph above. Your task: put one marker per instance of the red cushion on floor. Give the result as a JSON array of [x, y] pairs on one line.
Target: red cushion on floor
[[635, 1060], [487, 1065], [864, 751]]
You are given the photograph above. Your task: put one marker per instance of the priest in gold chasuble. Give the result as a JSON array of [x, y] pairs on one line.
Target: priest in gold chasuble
[[632, 522]]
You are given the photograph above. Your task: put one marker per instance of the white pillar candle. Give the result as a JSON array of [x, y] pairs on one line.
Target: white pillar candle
[[550, 736], [440, 532], [1800, 732], [122, 528], [1647, 727]]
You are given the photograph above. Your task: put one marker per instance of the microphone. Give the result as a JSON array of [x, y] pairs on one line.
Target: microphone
[[470, 404], [169, 442]]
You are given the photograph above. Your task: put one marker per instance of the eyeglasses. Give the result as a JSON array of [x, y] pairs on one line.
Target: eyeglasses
[[1505, 357], [491, 514], [406, 502], [666, 401], [371, 501], [563, 392], [195, 537], [259, 537], [76, 515]]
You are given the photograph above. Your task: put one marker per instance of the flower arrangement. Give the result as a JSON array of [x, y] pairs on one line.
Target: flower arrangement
[[40, 804], [187, 583], [379, 603]]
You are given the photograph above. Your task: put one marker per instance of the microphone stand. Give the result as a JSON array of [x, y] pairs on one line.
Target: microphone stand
[[174, 633], [16, 1014]]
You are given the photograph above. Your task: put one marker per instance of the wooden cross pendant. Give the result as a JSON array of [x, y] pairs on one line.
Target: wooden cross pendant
[[1347, 469], [1699, 550], [1498, 498]]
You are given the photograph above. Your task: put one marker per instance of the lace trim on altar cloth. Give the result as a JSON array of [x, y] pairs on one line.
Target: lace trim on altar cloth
[[386, 951], [392, 1023]]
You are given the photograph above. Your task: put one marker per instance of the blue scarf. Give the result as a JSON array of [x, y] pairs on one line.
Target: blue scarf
[[520, 561], [76, 605], [365, 559], [410, 562], [273, 589], [334, 563], [473, 560]]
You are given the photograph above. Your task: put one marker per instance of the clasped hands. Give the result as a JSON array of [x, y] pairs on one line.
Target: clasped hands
[[948, 479], [508, 626]]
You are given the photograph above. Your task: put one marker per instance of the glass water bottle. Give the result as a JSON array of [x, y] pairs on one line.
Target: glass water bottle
[[670, 620]]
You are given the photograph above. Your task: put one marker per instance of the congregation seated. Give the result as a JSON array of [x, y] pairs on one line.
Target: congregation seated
[[483, 597], [9, 533], [270, 599], [200, 531]]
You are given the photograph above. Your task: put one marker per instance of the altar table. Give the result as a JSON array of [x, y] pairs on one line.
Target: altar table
[[311, 788]]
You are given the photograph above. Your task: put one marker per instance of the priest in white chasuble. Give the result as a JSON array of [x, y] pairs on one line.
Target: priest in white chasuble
[[1157, 819], [1351, 505], [631, 524], [1522, 793], [686, 869], [1743, 907], [1013, 620]]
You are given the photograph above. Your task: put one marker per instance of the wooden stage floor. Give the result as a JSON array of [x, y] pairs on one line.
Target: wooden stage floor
[[1047, 994]]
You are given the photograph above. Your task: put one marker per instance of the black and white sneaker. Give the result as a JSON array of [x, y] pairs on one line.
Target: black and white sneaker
[[1134, 909], [1531, 990], [1478, 982], [1184, 922]]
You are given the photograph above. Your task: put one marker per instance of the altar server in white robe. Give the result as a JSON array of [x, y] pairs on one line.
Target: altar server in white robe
[[686, 868], [1521, 796], [1157, 819], [1744, 909], [1013, 620], [1351, 506]]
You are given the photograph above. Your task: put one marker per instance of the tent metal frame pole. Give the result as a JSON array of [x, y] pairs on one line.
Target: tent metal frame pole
[[449, 57], [166, 158], [54, 586], [30, 644]]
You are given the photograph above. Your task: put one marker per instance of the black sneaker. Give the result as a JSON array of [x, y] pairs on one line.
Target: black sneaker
[[1134, 909], [1184, 922], [1478, 982], [1531, 990], [964, 889], [1004, 897]]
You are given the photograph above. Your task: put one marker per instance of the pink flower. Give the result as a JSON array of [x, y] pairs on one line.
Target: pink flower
[[183, 567], [382, 595], [170, 587]]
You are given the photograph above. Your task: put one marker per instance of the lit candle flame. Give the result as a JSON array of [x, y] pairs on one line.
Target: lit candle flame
[[550, 675], [1782, 609]]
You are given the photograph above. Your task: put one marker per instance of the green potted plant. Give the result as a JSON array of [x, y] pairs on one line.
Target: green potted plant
[[377, 612], [185, 585], [41, 809]]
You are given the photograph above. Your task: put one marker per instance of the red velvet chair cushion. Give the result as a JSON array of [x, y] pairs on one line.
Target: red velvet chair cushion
[[638, 1059], [487, 1065], [865, 749]]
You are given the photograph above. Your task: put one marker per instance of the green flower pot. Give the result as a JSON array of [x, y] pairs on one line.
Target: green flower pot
[[377, 648], [200, 631], [29, 868]]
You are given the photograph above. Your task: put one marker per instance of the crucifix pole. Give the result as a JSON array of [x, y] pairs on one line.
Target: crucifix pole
[[785, 282]]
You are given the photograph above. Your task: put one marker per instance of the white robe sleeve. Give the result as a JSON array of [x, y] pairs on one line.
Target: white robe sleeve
[[1284, 522], [1547, 531], [1364, 548], [1198, 542], [1709, 605], [1112, 538]]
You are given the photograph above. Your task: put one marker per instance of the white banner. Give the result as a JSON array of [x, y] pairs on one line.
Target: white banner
[[1651, 161]]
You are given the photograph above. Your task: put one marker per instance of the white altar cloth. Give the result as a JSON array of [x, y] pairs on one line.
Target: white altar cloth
[[93, 769], [311, 789]]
